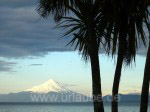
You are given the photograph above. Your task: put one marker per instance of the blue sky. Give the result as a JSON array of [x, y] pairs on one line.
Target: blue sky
[[69, 68], [31, 53]]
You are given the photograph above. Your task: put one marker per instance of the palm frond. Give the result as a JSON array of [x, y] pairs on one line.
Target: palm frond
[[57, 8]]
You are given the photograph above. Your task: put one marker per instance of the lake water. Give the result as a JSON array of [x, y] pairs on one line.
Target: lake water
[[63, 108]]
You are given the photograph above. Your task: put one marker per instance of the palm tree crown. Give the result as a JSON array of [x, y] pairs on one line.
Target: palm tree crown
[[79, 24], [132, 15]]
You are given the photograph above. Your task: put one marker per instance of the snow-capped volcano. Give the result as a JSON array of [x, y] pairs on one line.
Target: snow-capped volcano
[[49, 92], [49, 86]]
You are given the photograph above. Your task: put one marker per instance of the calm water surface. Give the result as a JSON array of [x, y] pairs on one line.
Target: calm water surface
[[63, 108]]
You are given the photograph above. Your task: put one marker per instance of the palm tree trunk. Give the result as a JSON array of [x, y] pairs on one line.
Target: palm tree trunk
[[117, 79], [96, 82], [146, 81], [93, 50], [120, 58]]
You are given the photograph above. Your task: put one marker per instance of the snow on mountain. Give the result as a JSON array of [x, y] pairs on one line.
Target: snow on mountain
[[48, 86]]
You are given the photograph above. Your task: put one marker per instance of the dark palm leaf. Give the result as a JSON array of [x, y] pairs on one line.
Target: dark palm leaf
[[136, 13], [58, 8]]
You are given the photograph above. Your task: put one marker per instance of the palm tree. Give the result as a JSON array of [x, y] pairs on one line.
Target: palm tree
[[127, 18], [146, 80], [84, 24], [132, 21]]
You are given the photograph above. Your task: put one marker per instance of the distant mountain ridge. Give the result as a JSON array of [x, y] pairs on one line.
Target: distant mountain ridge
[[124, 98], [50, 91], [62, 97], [53, 91]]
